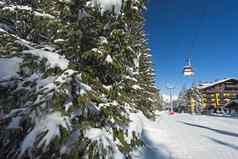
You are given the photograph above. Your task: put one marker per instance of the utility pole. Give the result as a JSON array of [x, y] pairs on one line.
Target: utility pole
[[171, 88]]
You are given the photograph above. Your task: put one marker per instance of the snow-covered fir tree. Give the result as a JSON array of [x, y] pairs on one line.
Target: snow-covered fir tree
[[182, 103], [72, 73], [197, 96], [185, 97]]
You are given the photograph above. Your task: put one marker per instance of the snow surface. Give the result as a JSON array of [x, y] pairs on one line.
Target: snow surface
[[54, 60], [9, 67], [185, 136], [135, 125]]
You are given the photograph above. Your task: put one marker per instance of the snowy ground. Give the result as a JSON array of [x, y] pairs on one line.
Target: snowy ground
[[185, 136]]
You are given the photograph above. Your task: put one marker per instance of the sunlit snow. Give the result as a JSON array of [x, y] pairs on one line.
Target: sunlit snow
[[53, 59], [186, 136], [50, 124], [107, 5]]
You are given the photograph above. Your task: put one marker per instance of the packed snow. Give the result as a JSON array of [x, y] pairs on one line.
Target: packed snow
[[185, 136]]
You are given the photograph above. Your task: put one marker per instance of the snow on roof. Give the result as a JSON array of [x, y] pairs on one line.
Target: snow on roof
[[54, 59], [206, 85]]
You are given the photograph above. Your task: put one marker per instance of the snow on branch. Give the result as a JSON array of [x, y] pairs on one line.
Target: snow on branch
[[107, 5]]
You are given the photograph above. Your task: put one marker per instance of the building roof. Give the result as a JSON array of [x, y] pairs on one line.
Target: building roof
[[207, 85]]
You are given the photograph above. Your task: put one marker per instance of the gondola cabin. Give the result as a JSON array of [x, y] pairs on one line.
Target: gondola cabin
[[188, 71]]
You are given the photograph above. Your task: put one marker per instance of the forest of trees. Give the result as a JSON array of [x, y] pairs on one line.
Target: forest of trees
[[70, 70]]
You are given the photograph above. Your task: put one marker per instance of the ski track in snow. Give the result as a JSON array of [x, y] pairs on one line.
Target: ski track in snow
[[185, 136]]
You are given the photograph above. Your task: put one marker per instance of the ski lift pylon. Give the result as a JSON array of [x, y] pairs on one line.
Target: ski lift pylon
[[188, 69]]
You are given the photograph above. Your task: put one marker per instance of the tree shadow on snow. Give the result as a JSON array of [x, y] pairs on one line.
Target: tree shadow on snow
[[223, 132], [154, 151], [235, 147]]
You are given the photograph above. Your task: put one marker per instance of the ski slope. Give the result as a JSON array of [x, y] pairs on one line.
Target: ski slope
[[185, 136]]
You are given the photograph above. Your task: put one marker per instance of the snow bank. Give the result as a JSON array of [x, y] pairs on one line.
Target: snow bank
[[9, 67], [54, 60], [135, 125], [50, 124]]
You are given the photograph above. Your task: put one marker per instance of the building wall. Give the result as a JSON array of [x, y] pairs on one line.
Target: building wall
[[216, 96], [219, 95]]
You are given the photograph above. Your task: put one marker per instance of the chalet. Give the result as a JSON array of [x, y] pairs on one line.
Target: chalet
[[216, 95]]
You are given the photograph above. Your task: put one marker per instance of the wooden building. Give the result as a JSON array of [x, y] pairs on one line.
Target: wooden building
[[215, 95]]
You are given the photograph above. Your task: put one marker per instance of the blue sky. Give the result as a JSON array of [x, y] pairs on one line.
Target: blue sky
[[206, 30]]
